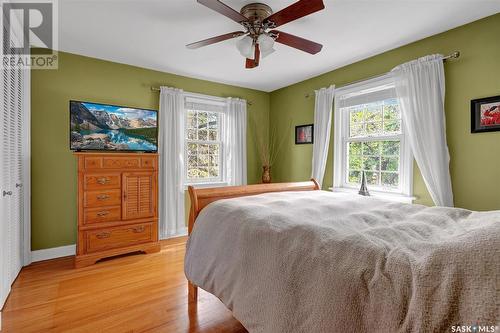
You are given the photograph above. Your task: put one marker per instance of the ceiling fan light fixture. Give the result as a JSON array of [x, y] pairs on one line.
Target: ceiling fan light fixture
[[266, 43], [268, 52], [246, 47]]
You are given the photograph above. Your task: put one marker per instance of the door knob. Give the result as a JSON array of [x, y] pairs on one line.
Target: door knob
[[5, 193]]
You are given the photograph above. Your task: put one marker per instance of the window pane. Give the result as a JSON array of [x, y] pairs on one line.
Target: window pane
[[391, 112], [212, 135], [193, 173], [355, 162], [354, 148], [203, 160], [354, 177], [213, 149], [214, 160], [371, 148], [191, 134], [191, 119], [392, 127], [356, 116], [192, 161], [214, 172], [373, 114], [390, 179], [203, 172], [202, 120], [192, 148], [390, 163], [371, 163], [390, 148], [372, 178], [203, 135], [357, 130], [213, 120], [374, 128], [203, 149]]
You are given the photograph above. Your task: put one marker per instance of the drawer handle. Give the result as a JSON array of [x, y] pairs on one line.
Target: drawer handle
[[102, 214], [102, 197], [138, 229], [103, 181], [103, 235]]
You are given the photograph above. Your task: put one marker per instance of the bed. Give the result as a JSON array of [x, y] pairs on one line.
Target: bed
[[292, 258]]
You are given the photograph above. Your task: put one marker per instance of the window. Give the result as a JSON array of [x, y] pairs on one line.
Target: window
[[203, 141], [369, 137]]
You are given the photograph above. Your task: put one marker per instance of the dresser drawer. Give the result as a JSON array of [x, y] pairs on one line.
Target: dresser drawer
[[110, 238], [121, 162], [148, 162], [102, 214], [101, 181], [93, 162], [102, 198]]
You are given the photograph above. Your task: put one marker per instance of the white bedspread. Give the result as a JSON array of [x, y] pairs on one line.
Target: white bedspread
[[332, 262]]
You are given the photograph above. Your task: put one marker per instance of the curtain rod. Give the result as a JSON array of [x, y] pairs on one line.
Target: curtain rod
[[156, 89], [451, 56]]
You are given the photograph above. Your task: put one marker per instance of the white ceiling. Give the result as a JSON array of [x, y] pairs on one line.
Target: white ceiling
[[153, 34]]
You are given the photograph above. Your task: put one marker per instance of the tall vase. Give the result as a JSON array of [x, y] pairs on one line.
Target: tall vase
[[266, 174]]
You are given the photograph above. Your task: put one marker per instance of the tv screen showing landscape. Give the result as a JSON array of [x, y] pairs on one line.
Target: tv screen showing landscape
[[109, 127]]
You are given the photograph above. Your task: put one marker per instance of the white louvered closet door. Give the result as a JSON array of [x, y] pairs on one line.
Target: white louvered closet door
[[12, 161]]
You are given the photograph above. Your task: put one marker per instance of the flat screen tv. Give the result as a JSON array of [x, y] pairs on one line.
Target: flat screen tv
[[112, 128]]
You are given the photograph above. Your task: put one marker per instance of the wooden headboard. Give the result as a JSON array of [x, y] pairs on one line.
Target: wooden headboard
[[202, 197]]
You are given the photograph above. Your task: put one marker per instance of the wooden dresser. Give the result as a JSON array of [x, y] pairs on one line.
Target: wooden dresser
[[117, 205]]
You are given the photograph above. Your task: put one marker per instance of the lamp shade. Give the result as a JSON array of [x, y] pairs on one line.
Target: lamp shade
[[266, 43], [246, 47], [266, 53]]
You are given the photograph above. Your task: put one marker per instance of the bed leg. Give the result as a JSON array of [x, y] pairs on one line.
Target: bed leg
[[192, 292]]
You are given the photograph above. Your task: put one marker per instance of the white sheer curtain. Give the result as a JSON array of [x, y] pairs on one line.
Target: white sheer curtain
[[171, 173], [235, 141], [322, 128], [420, 88]]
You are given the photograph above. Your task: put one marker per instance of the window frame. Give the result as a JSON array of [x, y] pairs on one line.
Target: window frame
[[222, 105], [342, 139]]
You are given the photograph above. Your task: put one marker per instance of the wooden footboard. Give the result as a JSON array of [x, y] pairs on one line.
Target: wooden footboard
[[200, 198]]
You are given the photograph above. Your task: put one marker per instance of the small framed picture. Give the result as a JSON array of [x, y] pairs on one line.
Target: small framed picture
[[485, 114], [304, 134]]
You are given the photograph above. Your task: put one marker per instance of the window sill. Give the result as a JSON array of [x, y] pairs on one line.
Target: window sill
[[205, 185], [397, 197]]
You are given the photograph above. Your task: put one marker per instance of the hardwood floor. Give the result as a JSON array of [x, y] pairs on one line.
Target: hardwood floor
[[137, 293]]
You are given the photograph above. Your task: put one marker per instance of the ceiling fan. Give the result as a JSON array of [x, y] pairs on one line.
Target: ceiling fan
[[259, 22]]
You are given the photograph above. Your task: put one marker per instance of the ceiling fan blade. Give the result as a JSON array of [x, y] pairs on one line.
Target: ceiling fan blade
[[223, 9], [295, 11], [252, 63], [297, 42], [214, 40]]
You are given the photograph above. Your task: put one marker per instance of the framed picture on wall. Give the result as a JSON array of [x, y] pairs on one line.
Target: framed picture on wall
[[485, 114], [304, 134]]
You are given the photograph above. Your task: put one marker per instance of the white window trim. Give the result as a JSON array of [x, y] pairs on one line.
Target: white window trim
[[222, 179], [340, 146]]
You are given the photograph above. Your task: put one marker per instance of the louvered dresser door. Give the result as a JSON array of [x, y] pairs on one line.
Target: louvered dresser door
[[138, 195]]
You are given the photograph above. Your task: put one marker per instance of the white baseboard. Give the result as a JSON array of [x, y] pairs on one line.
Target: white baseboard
[[179, 233], [52, 253]]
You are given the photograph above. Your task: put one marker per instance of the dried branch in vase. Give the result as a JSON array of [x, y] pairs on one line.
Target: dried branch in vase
[[268, 149]]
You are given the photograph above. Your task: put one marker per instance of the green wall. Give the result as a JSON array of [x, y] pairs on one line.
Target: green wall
[[82, 78], [475, 158]]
